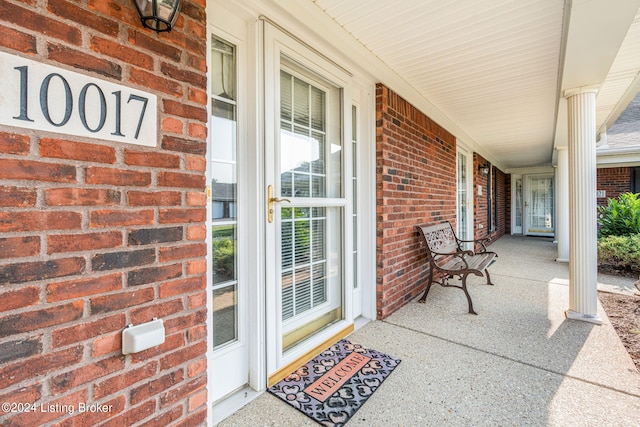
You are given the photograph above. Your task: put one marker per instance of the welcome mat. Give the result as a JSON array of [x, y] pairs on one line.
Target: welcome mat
[[334, 385]]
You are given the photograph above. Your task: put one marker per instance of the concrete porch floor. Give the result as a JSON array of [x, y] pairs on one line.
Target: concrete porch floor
[[518, 363]]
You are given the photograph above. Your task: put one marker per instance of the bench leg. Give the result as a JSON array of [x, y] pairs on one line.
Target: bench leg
[[423, 298], [486, 273], [466, 292]]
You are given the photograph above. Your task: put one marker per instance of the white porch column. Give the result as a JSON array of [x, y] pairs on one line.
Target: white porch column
[[583, 255], [562, 194]]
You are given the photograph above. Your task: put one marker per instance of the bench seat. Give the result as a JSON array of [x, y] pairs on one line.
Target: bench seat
[[448, 258]]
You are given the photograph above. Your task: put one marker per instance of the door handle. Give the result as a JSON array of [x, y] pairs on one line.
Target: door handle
[[270, 201]]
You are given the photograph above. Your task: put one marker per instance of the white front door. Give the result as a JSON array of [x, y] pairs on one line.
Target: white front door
[[538, 205], [307, 178]]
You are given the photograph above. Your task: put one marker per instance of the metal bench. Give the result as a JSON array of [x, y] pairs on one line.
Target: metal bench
[[448, 259]]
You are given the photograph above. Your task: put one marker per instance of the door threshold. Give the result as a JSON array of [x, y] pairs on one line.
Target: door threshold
[[232, 403]]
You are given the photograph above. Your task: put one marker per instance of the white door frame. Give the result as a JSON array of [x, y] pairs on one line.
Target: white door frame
[[462, 149], [526, 191]]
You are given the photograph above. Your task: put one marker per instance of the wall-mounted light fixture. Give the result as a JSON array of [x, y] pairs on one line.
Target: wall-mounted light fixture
[[484, 169], [158, 15]]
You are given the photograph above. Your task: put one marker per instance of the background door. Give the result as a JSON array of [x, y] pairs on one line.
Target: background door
[[539, 213]]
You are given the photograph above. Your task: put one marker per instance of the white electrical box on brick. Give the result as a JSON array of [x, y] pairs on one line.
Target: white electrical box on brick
[[141, 337]]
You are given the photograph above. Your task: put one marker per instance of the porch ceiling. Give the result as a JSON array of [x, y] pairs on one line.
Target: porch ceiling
[[497, 68]]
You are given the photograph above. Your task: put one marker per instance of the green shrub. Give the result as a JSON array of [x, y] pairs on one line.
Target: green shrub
[[620, 217], [620, 252]]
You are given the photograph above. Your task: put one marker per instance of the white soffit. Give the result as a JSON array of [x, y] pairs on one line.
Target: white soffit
[[491, 66], [623, 80]]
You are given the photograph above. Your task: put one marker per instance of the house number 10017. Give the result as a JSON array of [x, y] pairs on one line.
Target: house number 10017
[[40, 96], [82, 103]]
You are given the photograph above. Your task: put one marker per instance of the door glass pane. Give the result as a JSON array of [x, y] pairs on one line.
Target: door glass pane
[[310, 235], [462, 197], [354, 184], [223, 188], [518, 206], [304, 145], [541, 216]]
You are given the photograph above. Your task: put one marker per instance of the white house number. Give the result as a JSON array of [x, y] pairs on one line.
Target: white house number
[[38, 96]]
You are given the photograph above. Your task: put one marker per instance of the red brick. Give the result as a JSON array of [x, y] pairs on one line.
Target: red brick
[[72, 150], [183, 145], [197, 400], [17, 40], [153, 274], [180, 74], [182, 252], [196, 199], [197, 130], [151, 159], [158, 198], [196, 163], [177, 324], [155, 83], [120, 177], [106, 344], [183, 391], [48, 410], [40, 365], [40, 23], [19, 298], [164, 309], [84, 61], [86, 374], [120, 218], [197, 232], [156, 386], [134, 415], [83, 242], [182, 286], [197, 333], [17, 247], [37, 171], [184, 355], [120, 12], [172, 125], [89, 418], [198, 96], [164, 419], [84, 331], [153, 44], [197, 367], [194, 420], [121, 52], [18, 197], [183, 180], [12, 143], [79, 288], [179, 216], [198, 266], [38, 319], [65, 9], [40, 270], [31, 393], [120, 382], [176, 108], [121, 300], [81, 197], [197, 300]]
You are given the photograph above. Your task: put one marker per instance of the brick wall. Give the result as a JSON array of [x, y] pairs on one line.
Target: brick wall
[[501, 202], [96, 235], [614, 181], [416, 170]]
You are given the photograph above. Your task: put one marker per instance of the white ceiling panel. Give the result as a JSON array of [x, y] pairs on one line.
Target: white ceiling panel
[[491, 66]]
